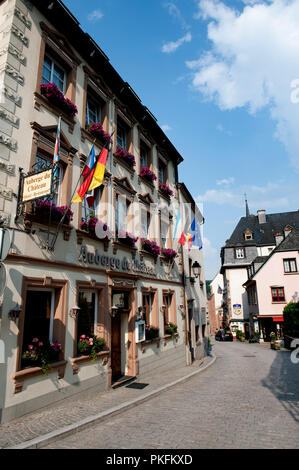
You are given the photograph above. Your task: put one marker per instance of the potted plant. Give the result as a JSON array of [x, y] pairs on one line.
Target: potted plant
[[41, 353], [165, 190], [240, 336], [169, 254], [96, 130], [90, 346], [56, 97], [146, 173], [170, 329], [43, 209], [150, 247], [151, 332], [125, 156], [90, 224]]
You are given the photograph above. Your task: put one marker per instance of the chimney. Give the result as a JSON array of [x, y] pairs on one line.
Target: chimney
[[279, 238], [262, 216]]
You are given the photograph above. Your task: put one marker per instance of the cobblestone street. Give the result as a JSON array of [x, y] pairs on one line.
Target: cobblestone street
[[248, 399]]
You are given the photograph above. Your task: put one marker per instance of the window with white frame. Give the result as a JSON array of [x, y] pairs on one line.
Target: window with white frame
[[145, 223], [278, 294], [239, 253], [290, 265], [122, 134], [54, 73], [93, 110], [147, 303], [121, 213]]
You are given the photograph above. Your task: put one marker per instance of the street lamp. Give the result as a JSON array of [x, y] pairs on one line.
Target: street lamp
[[196, 269]]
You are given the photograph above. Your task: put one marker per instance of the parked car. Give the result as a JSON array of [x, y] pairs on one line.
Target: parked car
[[219, 336], [228, 336]]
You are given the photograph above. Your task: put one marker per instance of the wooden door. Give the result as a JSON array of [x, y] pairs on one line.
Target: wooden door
[[116, 348]]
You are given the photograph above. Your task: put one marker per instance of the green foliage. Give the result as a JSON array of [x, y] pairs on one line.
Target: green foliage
[[151, 332], [240, 335], [170, 329], [91, 346], [291, 319]]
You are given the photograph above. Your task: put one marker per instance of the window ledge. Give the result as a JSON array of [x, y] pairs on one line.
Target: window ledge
[[149, 342], [81, 234], [85, 134], [291, 274], [40, 100], [127, 166], [117, 245], [26, 374], [145, 252], [77, 361], [168, 337], [164, 196], [142, 179], [279, 302]]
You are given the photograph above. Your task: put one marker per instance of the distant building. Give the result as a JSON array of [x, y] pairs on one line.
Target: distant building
[[253, 240], [215, 303], [272, 285]]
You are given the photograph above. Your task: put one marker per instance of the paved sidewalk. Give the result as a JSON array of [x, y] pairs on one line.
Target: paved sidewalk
[[73, 414]]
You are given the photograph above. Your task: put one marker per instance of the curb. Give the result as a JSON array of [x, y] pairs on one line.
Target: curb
[[44, 440]]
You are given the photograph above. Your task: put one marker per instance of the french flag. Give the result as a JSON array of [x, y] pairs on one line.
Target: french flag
[[88, 167]]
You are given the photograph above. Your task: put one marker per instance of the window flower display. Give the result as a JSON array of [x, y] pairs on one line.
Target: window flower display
[[125, 156], [146, 173], [169, 254], [43, 209], [165, 190], [127, 238], [151, 247], [96, 129], [170, 329], [91, 346], [151, 332], [90, 224], [41, 353], [56, 97]]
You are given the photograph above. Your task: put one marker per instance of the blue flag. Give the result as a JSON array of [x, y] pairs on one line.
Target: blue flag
[[194, 231]]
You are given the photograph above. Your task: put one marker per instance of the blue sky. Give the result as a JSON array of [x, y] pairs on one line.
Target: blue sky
[[219, 77]]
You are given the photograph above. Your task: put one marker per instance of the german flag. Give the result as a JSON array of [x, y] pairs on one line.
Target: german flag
[[94, 178]]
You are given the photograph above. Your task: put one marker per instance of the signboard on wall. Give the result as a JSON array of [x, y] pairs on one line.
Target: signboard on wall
[[237, 308], [37, 186]]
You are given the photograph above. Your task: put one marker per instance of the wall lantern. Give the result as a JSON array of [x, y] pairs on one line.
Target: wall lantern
[[74, 312], [163, 308], [196, 269], [15, 313], [139, 313]]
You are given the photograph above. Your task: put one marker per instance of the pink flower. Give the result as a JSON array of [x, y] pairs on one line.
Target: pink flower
[[40, 344], [35, 340]]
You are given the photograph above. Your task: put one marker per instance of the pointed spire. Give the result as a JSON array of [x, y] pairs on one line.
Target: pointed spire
[[247, 208]]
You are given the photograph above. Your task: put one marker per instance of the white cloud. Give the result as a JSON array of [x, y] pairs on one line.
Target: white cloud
[[166, 128], [252, 62], [220, 128], [175, 12], [95, 15], [226, 181], [174, 45]]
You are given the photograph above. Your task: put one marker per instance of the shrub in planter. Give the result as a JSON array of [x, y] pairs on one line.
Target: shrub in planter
[[96, 129], [151, 332], [240, 336], [90, 346], [41, 353], [125, 156], [151, 247], [146, 173], [55, 96], [165, 190], [170, 329], [291, 320]]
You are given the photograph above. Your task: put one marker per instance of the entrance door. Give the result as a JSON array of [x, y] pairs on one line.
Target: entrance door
[[116, 348]]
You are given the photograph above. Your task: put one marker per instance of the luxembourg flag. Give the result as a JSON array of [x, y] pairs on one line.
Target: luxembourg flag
[[57, 146]]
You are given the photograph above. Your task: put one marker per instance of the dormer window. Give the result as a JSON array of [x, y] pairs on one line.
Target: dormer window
[[239, 253], [287, 230], [248, 235]]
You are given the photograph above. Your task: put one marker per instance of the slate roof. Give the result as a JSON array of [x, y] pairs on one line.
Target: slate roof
[[291, 242], [263, 234]]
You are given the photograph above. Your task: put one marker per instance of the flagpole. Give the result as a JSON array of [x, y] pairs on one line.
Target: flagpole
[[73, 195]]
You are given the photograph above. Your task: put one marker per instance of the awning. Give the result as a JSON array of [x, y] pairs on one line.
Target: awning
[[278, 319]]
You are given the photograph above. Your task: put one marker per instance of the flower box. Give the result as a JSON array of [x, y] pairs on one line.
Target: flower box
[[151, 332], [96, 130], [147, 174], [127, 238], [90, 346], [170, 329], [125, 156], [169, 254], [151, 247], [165, 190], [56, 97], [90, 227], [41, 353], [44, 209]]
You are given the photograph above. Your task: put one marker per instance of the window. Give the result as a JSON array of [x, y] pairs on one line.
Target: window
[[166, 310], [239, 253], [290, 265], [164, 227], [53, 73], [88, 317], [147, 303], [122, 134], [145, 223], [162, 172], [251, 293], [278, 294], [91, 203], [39, 317], [121, 213], [93, 110], [248, 235], [144, 155]]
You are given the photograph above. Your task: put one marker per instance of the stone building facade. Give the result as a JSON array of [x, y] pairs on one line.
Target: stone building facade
[[81, 284]]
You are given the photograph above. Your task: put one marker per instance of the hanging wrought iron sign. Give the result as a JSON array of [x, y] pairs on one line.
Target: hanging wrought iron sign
[[37, 186]]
